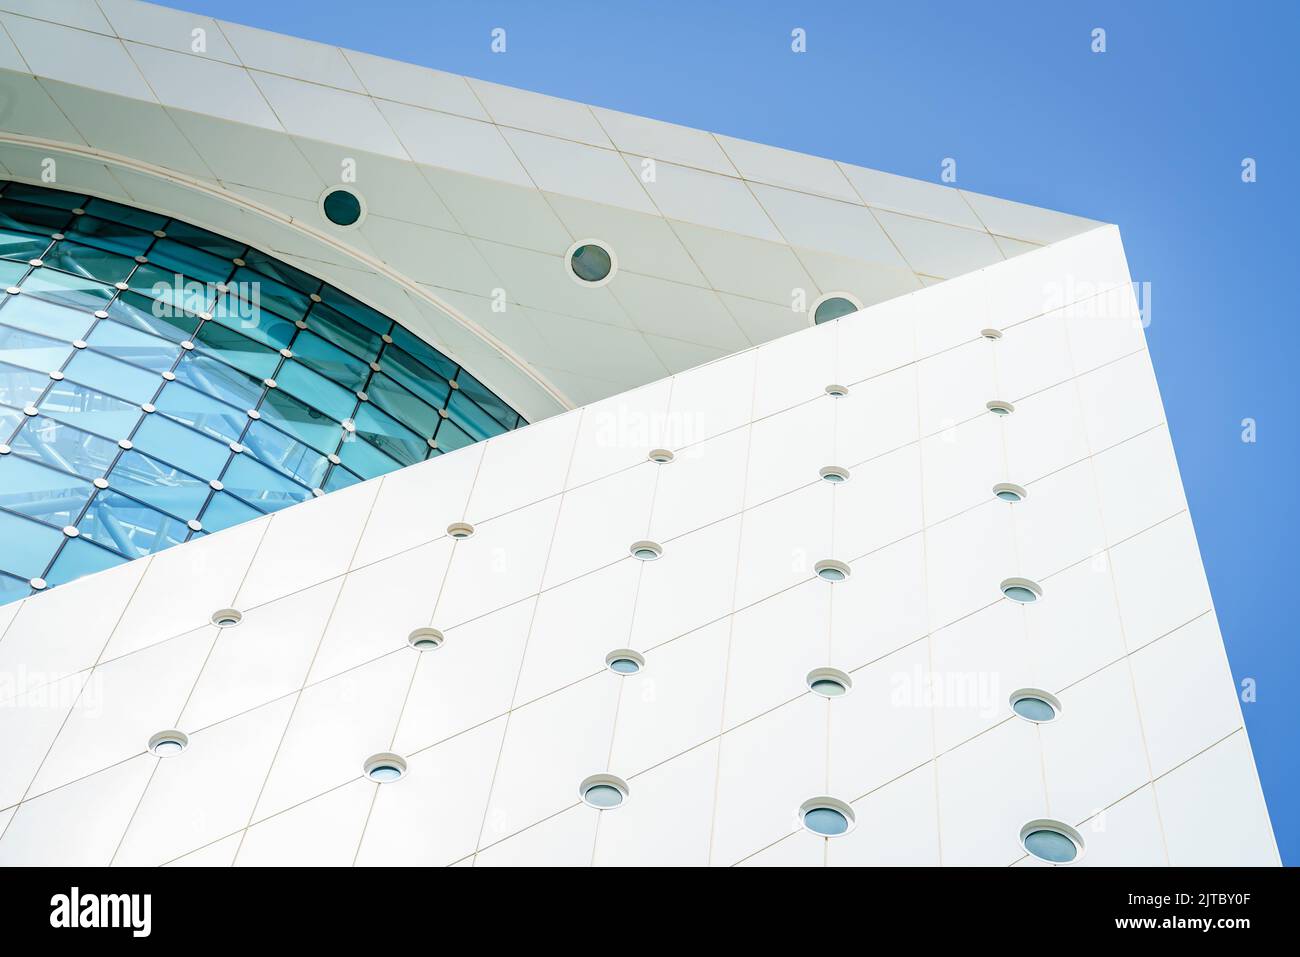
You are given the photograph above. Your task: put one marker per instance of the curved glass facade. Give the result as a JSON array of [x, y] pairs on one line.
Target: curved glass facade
[[159, 382]]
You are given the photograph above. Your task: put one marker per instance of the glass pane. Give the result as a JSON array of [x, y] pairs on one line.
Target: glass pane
[[290, 456], [451, 436], [138, 348], [155, 282], [41, 492], [471, 418], [115, 378], [31, 351], [364, 459], [240, 351], [10, 419], [11, 589], [131, 527], [428, 386], [201, 411], [61, 446], [389, 436], [302, 422], [158, 484], [139, 218], [202, 239], [424, 352], [10, 273], [164, 439], [247, 316], [343, 332], [21, 387], [90, 410], [339, 478], [272, 294], [226, 510], [22, 246], [113, 236], [155, 316], [331, 361], [80, 558], [354, 310], [403, 406], [190, 262], [28, 546], [30, 218], [76, 291], [490, 404], [281, 272], [47, 318], [89, 262], [220, 380], [255, 483], [45, 197], [316, 390]]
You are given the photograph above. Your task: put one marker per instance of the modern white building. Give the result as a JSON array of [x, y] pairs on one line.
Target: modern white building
[[399, 468]]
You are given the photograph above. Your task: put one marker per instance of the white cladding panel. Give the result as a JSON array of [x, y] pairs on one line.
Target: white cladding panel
[[718, 737]]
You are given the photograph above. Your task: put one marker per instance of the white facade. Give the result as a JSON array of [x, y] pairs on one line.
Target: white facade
[[718, 739]]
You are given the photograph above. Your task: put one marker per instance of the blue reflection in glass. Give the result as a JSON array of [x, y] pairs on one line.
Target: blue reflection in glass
[[137, 348], [61, 446], [79, 558], [160, 485], [90, 410], [43, 493], [225, 510], [259, 486], [115, 378], [128, 526], [114, 368], [28, 545]]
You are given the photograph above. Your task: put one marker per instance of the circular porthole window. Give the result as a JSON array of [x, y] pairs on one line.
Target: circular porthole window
[[1052, 841], [826, 816], [425, 639], [646, 551], [166, 744], [591, 262], [829, 682], [833, 306], [836, 391], [625, 661], [1034, 705], [998, 407], [1009, 493], [460, 529], [833, 473], [832, 571], [662, 456], [341, 207], [385, 767], [603, 791], [1022, 590], [226, 618]]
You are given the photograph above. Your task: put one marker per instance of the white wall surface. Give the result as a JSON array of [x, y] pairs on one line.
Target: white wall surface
[[718, 738]]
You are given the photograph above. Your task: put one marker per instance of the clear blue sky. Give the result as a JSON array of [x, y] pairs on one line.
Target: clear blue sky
[[1149, 135]]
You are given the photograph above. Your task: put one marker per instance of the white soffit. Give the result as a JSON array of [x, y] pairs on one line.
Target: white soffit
[[474, 192]]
